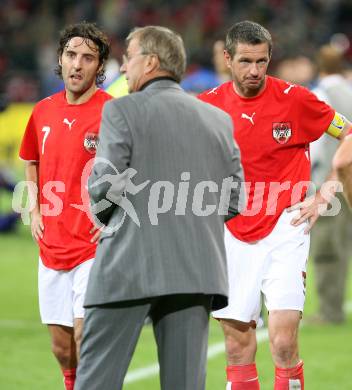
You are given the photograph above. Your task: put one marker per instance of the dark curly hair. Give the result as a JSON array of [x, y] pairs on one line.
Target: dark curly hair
[[86, 31]]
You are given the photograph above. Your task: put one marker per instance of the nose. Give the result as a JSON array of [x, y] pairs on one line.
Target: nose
[[254, 69], [77, 63], [123, 68]]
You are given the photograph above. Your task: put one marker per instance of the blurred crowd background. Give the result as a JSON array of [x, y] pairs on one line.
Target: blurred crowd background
[[29, 31]]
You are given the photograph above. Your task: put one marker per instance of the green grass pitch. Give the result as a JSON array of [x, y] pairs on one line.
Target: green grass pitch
[[26, 362]]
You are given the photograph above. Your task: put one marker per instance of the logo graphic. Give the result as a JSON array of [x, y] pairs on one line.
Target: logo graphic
[[304, 278], [294, 384], [339, 121], [91, 142], [288, 89], [250, 118], [213, 90], [121, 185], [282, 132], [68, 123]]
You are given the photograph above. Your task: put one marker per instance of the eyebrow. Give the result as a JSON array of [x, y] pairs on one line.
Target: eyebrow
[[245, 58], [70, 50]]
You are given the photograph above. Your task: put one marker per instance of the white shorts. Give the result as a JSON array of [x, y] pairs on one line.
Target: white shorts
[[274, 266], [61, 293]]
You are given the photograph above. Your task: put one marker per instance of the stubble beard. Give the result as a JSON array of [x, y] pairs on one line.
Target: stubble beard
[[248, 91]]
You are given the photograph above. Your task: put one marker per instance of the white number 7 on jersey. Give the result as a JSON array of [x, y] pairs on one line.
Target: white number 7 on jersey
[[46, 130]]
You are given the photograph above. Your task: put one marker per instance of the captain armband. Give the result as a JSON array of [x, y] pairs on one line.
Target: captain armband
[[336, 126]]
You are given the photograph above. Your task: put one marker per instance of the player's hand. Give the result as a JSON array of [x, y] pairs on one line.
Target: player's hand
[[310, 210], [96, 231], [37, 226]]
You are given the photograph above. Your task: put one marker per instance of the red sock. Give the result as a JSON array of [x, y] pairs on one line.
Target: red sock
[[69, 378], [242, 377], [289, 378]]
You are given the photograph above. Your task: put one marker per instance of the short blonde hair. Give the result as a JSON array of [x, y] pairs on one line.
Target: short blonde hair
[[166, 44], [330, 59]]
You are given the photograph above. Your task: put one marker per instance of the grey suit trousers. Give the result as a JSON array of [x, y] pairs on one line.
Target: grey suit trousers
[[111, 333], [331, 250]]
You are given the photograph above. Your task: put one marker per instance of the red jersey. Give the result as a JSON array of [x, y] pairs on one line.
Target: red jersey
[[62, 137], [273, 131]]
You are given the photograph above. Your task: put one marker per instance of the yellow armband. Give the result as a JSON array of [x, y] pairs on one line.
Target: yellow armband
[[336, 126]]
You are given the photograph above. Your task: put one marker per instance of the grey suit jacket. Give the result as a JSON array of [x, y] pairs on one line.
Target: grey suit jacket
[[179, 150]]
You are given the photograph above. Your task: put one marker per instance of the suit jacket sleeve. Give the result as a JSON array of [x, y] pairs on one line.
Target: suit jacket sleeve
[[237, 195], [107, 181]]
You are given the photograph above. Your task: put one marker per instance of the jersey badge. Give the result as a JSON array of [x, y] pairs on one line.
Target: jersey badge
[[282, 132], [91, 142]]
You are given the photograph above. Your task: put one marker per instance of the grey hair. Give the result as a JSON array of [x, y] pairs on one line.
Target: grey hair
[[249, 33], [166, 44]]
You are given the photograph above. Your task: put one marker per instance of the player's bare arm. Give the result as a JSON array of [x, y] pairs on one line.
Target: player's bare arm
[[37, 226], [312, 207], [342, 164]]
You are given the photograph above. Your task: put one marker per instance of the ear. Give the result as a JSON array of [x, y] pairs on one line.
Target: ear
[[100, 68], [152, 64], [59, 60], [228, 58]]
